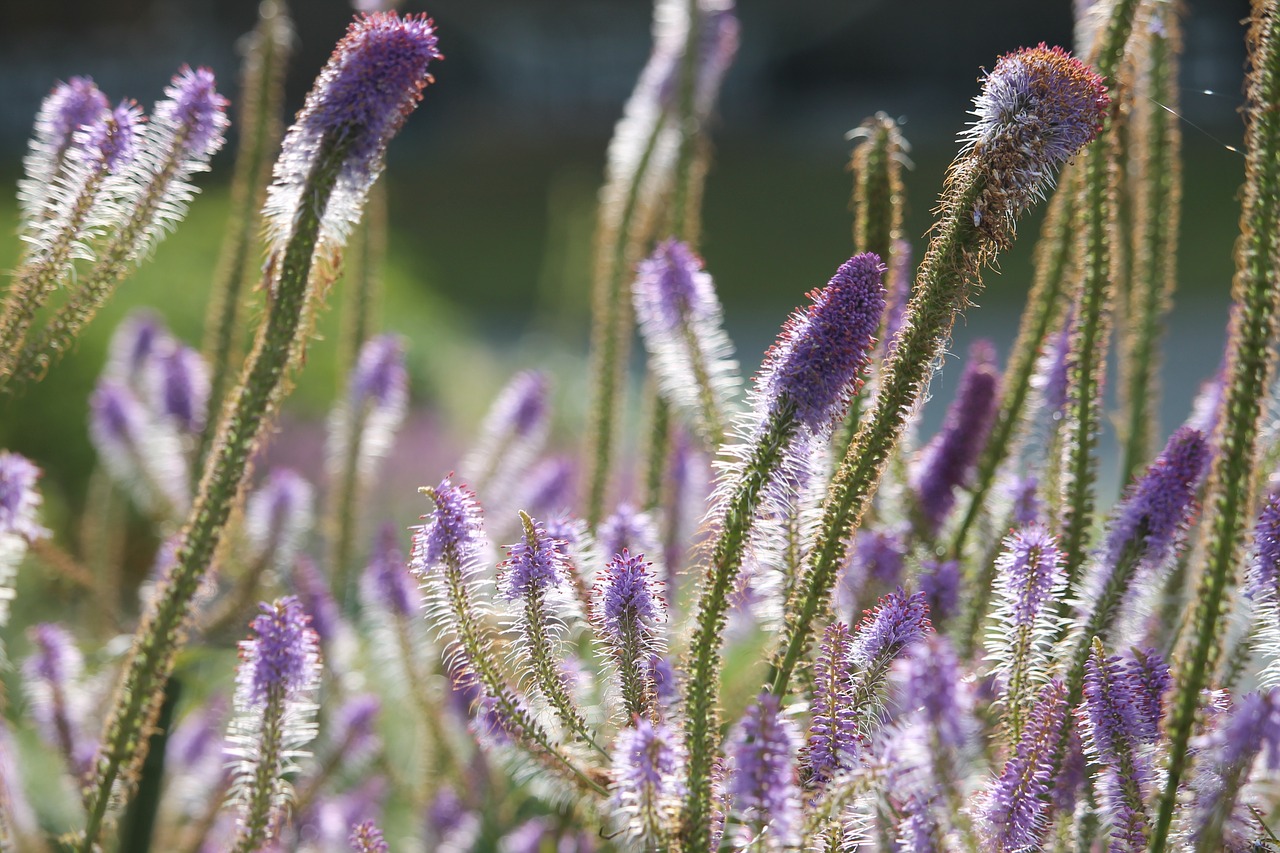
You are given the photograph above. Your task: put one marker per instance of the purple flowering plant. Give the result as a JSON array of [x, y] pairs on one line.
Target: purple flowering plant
[[783, 618]]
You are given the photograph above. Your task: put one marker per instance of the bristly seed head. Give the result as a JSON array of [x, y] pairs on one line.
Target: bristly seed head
[[817, 361]]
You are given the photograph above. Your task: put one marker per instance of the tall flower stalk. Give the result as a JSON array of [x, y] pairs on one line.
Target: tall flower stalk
[[802, 391], [1250, 367], [328, 160], [1037, 108]]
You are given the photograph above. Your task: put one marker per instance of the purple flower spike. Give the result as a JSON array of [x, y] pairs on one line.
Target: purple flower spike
[[896, 622], [195, 111], [1027, 506], [629, 529], [833, 730], [278, 516], [380, 379], [1014, 811], [136, 343], [112, 140], [385, 581], [762, 775], [180, 389], [535, 563], [367, 838], [137, 450], [817, 361], [899, 291], [931, 681], [52, 677], [1264, 572], [513, 432], [454, 529], [1157, 508], [69, 107], [371, 83], [282, 655], [647, 777], [945, 464], [1053, 370], [19, 499], [940, 583], [1037, 108], [549, 486], [631, 597], [317, 600], [1227, 755], [1029, 574]]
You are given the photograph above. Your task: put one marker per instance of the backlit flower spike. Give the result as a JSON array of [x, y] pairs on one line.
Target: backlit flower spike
[[179, 391], [817, 364], [1246, 742], [548, 487], [278, 517], [512, 433], [68, 108], [276, 688], [1037, 108], [629, 610], [762, 781], [19, 524], [343, 109], [683, 328], [1264, 567], [1116, 729], [630, 529], [946, 462], [933, 684], [141, 453], [52, 676], [1013, 812], [647, 780], [135, 345], [385, 585], [1029, 584], [834, 739]]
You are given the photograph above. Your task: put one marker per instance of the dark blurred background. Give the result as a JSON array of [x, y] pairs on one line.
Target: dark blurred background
[[492, 183]]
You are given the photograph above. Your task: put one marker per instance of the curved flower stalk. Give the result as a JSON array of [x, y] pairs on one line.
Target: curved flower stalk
[[447, 553], [683, 329], [1013, 812], [1121, 716], [802, 391], [644, 156], [648, 781], [19, 523], [628, 610], [512, 434], [266, 53], [52, 677], [946, 462], [1037, 108], [762, 780], [362, 429], [152, 194], [1230, 752], [532, 579], [276, 688], [1029, 584], [328, 159], [68, 198], [1249, 371]]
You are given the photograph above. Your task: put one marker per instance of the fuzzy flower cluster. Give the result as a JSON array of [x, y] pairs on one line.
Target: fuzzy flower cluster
[[762, 772]]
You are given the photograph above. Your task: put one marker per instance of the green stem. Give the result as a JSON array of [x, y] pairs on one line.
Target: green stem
[[161, 634], [702, 727], [256, 823], [1256, 290], [262, 96]]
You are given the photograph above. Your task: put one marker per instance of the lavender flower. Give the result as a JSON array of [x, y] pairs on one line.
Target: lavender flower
[[52, 676], [817, 362], [682, 324], [71, 106], [135, 344], [343, 109], [323, 612], [450, 825], [385, 582], [1013, 811], [367, 838], [1264, 569], [896, 622], [833, 741], [535, 564], [931, 682], [179, 389], [940, 583], [647, 780], [142, 454], [628, 611], [762, 775], [512, 433], [945, 464], [19, 503], [630, 529], [1228, 754], [278, 516], [454, 530], [362, 430], [548, 488], [1037, 108], [276, 687]]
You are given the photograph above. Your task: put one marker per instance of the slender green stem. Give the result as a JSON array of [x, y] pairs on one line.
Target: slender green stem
[[1157, 146], [702, 727], [1256, 292], [256, 827], [162, 632], [261, 99]]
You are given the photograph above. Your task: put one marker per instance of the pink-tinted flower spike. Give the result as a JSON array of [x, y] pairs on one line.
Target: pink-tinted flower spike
[[817, 362]]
